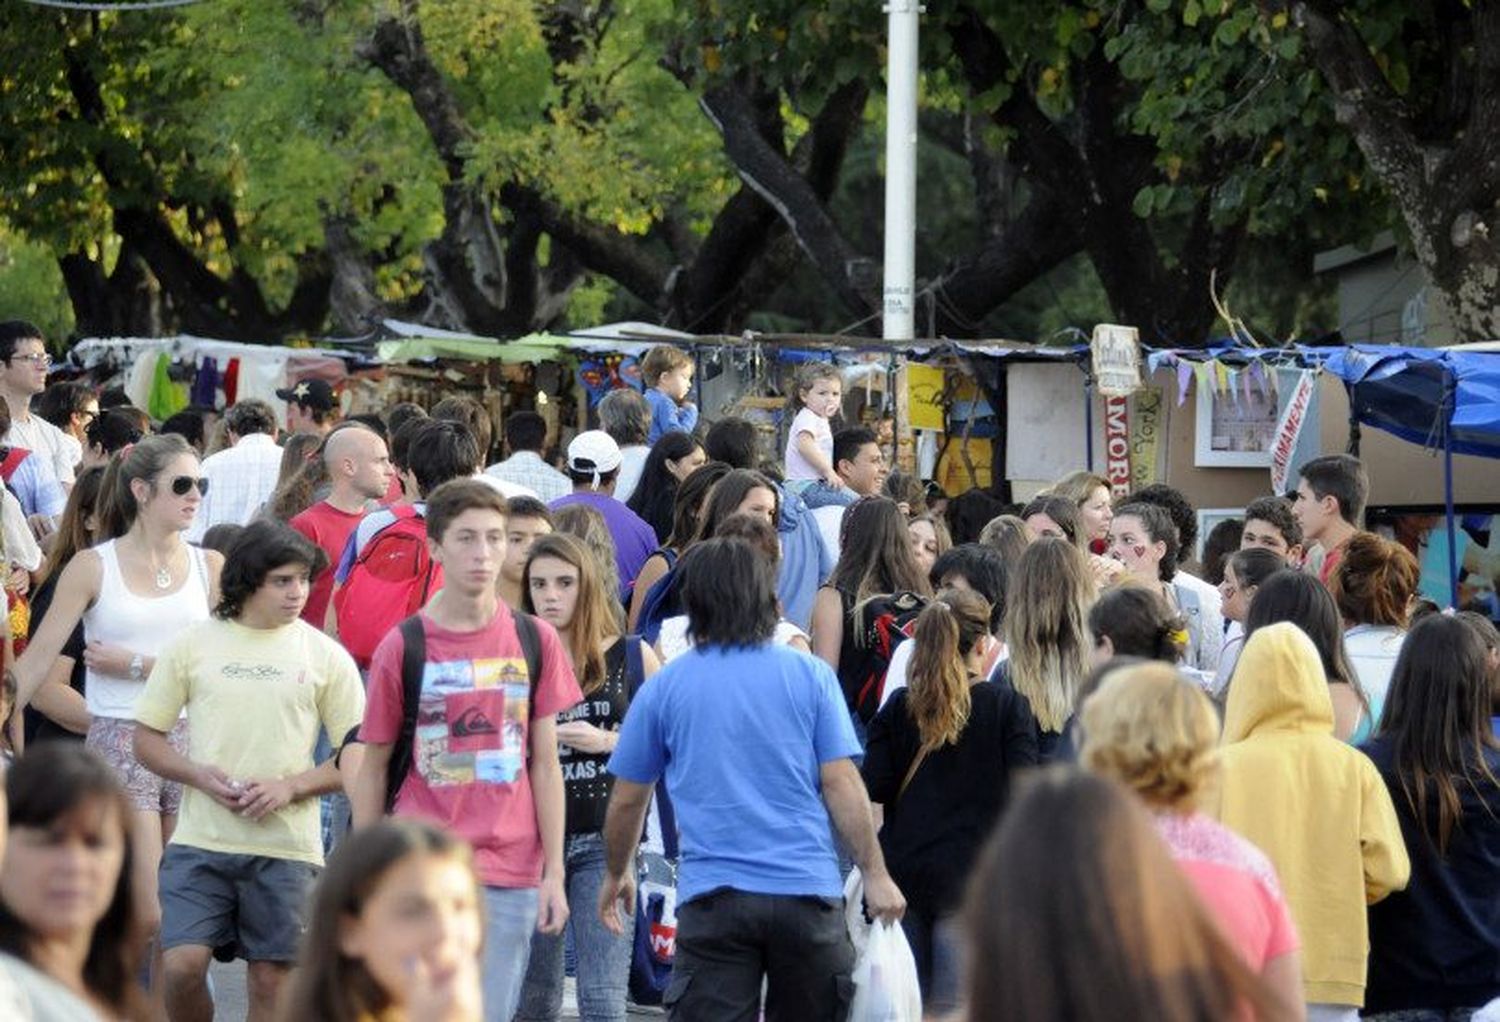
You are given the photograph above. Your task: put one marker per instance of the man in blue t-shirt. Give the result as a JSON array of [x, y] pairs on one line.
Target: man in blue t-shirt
[[757, 747]]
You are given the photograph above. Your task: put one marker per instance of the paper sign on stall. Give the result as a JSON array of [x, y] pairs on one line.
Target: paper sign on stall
[[1117, 359]]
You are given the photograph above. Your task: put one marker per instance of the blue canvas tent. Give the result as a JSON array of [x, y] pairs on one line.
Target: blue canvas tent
[[1446, 399]]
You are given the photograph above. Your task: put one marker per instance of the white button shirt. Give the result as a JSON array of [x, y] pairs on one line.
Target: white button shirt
[[240, 480]]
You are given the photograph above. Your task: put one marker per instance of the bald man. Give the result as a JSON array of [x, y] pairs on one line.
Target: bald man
[[359, 471]]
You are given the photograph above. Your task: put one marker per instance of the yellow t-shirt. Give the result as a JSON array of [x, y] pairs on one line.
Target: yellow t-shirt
[[254, 700]]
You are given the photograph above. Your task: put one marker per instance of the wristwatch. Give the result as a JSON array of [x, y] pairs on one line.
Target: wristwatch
[[138, 668]]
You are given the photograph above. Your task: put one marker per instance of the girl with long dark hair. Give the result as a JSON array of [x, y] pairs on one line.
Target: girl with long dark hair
[[875, 559], [939, 761], [688, 500], [394, 931], [675, 456], [1298, 597], [134, 592], [561, 585], [67, 907], [58, 710], [1113, 930], [1435, 947]]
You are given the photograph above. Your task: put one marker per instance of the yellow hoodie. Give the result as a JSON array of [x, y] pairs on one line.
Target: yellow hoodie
[[1315, 806]]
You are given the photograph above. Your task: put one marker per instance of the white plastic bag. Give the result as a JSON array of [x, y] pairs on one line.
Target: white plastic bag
[[885, 973]]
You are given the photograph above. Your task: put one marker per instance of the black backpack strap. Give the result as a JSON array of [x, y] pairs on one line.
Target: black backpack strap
[[635, 665], [531, 649], [413, 662]]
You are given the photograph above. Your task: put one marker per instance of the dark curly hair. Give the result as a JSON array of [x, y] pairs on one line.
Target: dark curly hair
[[260, 549]]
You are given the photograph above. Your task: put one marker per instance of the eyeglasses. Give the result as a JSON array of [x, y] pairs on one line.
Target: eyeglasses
[[36, 358], [182, 484]]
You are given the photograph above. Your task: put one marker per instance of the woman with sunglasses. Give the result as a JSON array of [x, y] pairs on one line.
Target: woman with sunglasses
[[135, 591]]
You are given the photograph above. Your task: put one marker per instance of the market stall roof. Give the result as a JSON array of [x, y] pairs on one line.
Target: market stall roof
[[1406, 391]]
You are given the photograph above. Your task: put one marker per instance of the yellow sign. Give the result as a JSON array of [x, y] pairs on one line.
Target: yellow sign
[[1145, 436], [924, 391]]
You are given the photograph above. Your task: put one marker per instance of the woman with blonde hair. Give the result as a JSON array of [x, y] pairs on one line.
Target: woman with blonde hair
[[1093, 497], [1112, 929], [1152, 730], [1047, 633], [561, 585], [940, 760]]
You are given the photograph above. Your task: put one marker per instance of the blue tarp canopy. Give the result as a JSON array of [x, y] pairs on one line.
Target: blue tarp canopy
[[1404, 391]]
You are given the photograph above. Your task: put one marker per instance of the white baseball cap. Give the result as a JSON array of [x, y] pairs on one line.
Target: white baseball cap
[[594, 451]]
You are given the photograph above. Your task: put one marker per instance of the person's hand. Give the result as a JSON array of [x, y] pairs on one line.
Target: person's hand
[[103, 658], [617, 902], [18, 580], [585, 737], [42, 526], [883, 899], [257, 798], [216, 784], [834, 480], [551, 906], [1106, 570], [444, 993]]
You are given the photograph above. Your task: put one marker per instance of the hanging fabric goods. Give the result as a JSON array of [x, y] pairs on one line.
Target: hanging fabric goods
[[1184, 377]]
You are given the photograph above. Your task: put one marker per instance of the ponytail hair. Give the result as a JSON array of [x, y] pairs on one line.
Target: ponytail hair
[[945, 633], [145, 459]]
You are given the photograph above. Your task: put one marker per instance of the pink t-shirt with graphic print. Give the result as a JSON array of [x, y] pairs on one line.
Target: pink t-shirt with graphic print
[[1236, 882], [468, 772]]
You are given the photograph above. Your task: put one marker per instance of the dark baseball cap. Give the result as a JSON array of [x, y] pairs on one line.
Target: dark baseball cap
[[314, 394]]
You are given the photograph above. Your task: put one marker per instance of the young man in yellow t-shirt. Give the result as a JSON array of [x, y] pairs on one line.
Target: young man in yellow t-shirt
[[256, 683]]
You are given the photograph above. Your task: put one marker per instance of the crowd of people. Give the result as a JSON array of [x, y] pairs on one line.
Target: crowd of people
[[1088, 776]]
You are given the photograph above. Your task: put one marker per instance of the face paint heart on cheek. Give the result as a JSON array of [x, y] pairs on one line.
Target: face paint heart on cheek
[[1139, 551]]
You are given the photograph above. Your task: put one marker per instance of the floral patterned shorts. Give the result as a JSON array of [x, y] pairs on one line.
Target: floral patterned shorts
[[114, 739]]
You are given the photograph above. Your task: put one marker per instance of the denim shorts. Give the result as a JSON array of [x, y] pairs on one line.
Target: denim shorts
[[253, 904]]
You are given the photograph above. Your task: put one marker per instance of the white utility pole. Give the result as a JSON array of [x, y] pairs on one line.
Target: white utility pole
[[899, 320]]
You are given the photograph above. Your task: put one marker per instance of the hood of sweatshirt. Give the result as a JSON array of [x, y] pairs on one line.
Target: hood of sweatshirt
[[1278, 685]]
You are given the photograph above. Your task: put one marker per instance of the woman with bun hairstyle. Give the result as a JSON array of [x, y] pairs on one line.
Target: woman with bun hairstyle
[[940, 759], [1131, 620], [1373, 587]]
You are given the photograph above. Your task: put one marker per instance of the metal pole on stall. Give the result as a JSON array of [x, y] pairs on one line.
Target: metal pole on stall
[[899, 320], [1088, 420], [1446, 411]]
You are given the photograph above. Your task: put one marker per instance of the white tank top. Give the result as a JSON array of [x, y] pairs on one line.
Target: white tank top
[[141, 624]]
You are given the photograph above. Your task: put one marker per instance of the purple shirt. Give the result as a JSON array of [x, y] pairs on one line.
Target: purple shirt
[[634, 539]]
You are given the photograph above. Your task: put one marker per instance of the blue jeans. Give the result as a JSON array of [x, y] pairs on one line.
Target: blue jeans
[[819, 494], [603, 958], [510, 920], [935, 945]]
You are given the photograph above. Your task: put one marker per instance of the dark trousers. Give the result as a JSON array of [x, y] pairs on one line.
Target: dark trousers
[[729, 941]]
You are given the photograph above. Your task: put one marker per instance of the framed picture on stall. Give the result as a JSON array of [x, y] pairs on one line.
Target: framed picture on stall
[[1234, 432], [1208, 517]]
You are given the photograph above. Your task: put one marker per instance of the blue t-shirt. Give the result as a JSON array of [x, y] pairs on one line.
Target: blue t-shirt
[[667, 415], [741, 735]]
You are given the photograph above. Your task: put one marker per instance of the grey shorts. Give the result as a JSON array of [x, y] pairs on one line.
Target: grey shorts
[[250, 904]]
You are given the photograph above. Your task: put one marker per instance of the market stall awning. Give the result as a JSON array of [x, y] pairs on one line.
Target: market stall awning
[[473, 349], [1402, 391]]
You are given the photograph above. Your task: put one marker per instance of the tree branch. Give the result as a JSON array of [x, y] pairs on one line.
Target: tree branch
[[769, 173], [1363, 99]]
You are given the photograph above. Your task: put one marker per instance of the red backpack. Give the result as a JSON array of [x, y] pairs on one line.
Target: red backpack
[[390, 581]]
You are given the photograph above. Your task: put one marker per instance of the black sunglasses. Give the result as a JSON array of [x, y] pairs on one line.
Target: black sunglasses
[[181, 485]]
